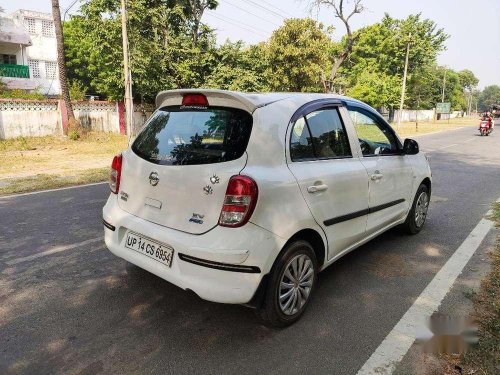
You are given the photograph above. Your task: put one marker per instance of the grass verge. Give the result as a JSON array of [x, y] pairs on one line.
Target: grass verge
[[29, 164], [52, 181], [409, 129]]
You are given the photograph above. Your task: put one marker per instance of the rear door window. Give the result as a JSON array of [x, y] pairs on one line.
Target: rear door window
[[328, 134], [175, 136], [319, 135]]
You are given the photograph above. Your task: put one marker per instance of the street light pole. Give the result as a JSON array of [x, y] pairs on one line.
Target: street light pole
[[129, 104], [403, 89]]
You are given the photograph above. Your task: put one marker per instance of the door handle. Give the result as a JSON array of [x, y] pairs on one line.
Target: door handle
[[376, 176], [316, 188]]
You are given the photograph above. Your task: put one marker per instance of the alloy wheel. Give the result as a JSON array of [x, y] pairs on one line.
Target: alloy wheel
[[296, 284], [421, 208]]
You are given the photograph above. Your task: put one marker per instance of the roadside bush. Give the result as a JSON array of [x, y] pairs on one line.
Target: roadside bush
[[75, 130], [19, 94], [76, 90]]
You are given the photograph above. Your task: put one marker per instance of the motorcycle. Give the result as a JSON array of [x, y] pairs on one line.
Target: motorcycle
[[484, 127]]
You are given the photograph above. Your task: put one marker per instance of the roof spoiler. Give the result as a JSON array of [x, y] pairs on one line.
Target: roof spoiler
[[215, 97]]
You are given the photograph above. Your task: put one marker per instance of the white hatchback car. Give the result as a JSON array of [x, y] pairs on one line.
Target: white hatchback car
[[244, 198]]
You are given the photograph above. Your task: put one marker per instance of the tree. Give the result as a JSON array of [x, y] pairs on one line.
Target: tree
[[377, 89], [240, 68], [61, 62], [488, 97], [298, 55], [338, 59], [196, 9], [469, 82], [380, 49], [162, 53]]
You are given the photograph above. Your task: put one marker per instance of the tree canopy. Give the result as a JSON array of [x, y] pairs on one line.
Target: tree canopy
[[170, 47]]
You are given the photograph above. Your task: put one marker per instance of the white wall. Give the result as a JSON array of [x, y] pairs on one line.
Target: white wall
[[29, 119], [413, 115]]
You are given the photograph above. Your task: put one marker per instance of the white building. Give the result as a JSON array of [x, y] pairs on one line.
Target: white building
[[28, 52]]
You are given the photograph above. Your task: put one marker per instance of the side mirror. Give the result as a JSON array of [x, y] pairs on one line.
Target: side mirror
[[410, 147]]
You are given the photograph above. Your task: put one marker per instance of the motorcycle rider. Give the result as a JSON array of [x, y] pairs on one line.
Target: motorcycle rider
[[487, 117]]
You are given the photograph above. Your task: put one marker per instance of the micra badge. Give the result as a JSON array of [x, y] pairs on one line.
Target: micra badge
[[197, 218]]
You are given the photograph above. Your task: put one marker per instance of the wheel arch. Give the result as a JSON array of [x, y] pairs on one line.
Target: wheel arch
[[315, 239], [427, 182], [320, 248]]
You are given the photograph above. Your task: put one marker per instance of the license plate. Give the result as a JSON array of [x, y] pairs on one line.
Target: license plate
[[151, 248]]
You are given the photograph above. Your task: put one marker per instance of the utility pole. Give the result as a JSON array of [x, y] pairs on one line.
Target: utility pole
[[444, 85], [403, 89], [129, 104]]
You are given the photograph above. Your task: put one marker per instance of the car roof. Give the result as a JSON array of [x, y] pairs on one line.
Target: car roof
[[250, 101]]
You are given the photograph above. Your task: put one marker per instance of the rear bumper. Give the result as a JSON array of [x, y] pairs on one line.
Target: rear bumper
[[223, 265]]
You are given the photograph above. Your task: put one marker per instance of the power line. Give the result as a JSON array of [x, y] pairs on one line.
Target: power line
[[239, 24], [268, 10], [275, 7], [253, 14]]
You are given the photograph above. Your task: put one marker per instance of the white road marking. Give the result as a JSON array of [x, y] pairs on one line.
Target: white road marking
[[454, 144], [49, 190], [470, 139], [55, 250], [394, 347]]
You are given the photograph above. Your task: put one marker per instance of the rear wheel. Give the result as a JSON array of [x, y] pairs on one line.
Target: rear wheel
[[292, 281], [418, 212]]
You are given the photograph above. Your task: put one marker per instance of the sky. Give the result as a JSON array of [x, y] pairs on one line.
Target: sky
[[473, 26]]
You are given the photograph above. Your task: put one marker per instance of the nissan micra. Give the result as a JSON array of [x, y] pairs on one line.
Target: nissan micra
[[244, 198]]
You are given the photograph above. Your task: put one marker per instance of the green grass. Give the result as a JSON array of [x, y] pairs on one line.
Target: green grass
[[52, 181], [38, 163]]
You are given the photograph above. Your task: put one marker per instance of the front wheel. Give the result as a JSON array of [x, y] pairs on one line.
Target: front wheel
[[290, 286], [418, 212]]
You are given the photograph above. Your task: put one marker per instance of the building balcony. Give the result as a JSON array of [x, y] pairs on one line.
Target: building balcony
[[14, 71]]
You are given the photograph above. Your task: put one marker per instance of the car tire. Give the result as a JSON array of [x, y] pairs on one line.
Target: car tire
[[290, 286], [418, 213]]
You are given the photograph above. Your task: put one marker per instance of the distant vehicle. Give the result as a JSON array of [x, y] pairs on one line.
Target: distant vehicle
[[244, 198], [485, 128]]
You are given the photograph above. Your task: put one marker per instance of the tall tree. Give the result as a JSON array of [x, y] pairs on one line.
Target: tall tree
[[488, 97], [339, 12], [469, 83], [381, 50], [298, 66], [61, 61], [162, 53], [196, 9], [240, 68]]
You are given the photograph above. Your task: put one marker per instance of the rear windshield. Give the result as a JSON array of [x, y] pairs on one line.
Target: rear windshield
[[182, 136]]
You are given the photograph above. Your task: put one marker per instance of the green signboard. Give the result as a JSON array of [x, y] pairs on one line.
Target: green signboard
[[443, 107]]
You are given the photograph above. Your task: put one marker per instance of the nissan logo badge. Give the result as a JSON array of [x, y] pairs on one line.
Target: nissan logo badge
[[154, 179]]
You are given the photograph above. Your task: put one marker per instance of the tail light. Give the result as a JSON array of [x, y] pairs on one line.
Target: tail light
[[116, 173], [239, 202]]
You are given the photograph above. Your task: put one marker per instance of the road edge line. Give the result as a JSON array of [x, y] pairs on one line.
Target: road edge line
[[397, 343], [50, 190]]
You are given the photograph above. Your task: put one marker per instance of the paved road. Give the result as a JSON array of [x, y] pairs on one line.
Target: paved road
[[79, 310]]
